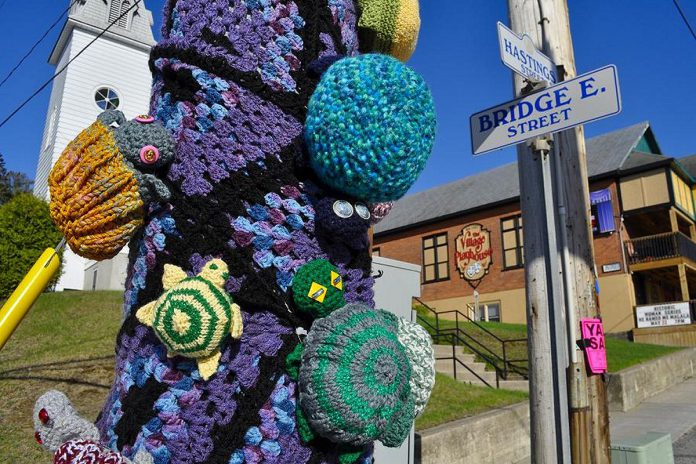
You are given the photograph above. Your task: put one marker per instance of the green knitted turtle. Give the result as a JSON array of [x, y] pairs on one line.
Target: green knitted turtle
[[194, 314]]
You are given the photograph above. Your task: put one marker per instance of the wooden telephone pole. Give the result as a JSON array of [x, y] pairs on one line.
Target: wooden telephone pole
[[559, 266]]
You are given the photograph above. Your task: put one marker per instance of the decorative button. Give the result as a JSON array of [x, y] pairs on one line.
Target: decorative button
[[362, 210], [149, 154], [343, 209], [145, 119], [37, 435], [43, 416]]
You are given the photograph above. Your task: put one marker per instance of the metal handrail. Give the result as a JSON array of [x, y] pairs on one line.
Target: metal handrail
[[456, 360], [455, 332], [457, 315]]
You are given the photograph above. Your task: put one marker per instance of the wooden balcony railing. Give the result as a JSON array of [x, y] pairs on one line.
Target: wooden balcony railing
[[659, 247]]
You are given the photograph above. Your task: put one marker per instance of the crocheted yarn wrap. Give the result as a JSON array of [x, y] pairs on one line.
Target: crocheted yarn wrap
[[317, 288], [354, 377], [232, 82], [389, 26], [370, 127], [95, 199]]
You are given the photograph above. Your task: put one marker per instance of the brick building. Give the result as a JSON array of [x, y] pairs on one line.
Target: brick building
[[643, 228]]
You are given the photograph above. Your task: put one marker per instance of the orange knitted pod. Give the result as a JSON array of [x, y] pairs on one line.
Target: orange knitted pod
[[95, 200]]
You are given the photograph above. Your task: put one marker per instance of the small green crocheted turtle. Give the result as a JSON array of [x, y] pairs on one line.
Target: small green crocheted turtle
[[194, 314]]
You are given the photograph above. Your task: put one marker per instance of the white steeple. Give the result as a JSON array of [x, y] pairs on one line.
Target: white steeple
[[111, 73]]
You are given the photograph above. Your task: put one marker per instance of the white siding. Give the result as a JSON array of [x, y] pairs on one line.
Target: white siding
[[111, 62], [46, 157]]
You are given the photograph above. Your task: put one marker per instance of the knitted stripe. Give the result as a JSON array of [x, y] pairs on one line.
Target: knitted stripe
[[95, 201]]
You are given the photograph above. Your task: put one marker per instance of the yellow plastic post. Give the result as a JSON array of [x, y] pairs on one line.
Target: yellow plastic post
[[26, 293]]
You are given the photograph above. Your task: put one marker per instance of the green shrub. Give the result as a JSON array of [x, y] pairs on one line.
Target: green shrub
[[26, 230]]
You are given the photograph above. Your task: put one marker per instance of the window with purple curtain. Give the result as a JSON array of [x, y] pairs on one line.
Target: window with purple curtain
[[603, 212]]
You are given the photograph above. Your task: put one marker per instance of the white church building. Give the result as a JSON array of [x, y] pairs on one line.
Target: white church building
[[112, 73]]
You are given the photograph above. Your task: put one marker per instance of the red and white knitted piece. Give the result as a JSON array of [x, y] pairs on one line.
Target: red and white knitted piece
[[85, 452]]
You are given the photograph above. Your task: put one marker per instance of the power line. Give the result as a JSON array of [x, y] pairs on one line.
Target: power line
[[31, 50], [686, 21], [45, 84]]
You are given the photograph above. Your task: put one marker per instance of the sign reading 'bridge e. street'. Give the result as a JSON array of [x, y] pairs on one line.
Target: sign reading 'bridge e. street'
[[586, 98]]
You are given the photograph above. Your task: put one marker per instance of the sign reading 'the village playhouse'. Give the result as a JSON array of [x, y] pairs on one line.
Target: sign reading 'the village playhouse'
[[588, 97], [473, 254]]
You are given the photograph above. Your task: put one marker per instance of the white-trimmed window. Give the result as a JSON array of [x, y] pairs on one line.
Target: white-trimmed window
[[106, 98]]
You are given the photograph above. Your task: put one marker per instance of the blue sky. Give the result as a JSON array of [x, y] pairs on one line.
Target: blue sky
[[459, 58]]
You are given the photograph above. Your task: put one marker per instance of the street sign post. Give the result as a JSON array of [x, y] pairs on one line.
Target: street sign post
[[586, 98], [519, 54]]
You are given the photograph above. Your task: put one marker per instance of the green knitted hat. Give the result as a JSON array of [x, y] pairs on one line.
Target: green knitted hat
[[317, 288], [355, 378]]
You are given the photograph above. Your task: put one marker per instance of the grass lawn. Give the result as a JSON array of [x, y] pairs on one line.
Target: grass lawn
[[452, 400], [66, 342], [622, 353]]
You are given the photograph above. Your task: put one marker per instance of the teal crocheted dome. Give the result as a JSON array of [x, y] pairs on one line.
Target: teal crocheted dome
[[370, 127]]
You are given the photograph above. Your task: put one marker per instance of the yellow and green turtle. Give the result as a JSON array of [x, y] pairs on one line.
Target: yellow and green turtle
[[194, 314]]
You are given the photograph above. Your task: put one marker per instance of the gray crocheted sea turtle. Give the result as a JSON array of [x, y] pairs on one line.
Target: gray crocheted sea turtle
[[147, 148]]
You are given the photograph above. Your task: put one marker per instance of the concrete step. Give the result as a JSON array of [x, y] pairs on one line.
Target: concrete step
[[446, 350], [466, 358], [463, 375], [442, 365]]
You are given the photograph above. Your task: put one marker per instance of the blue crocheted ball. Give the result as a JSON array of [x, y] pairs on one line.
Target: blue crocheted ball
[[370, 127]]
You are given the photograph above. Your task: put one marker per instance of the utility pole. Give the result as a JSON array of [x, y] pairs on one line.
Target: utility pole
[[546, 22]]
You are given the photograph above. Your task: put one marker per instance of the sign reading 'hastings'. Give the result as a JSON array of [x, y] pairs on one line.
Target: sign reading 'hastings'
[[473, 252], [519, 54]]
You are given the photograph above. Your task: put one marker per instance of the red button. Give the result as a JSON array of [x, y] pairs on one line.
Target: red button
[[38, 438], [43, 416]]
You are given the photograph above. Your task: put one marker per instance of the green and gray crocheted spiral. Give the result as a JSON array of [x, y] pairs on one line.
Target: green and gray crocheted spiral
[[355, 378]]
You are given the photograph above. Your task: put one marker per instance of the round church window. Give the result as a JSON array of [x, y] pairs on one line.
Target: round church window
[[106, 98]]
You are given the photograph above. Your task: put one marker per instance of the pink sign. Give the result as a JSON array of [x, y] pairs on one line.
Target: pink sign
[[595, 350]]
